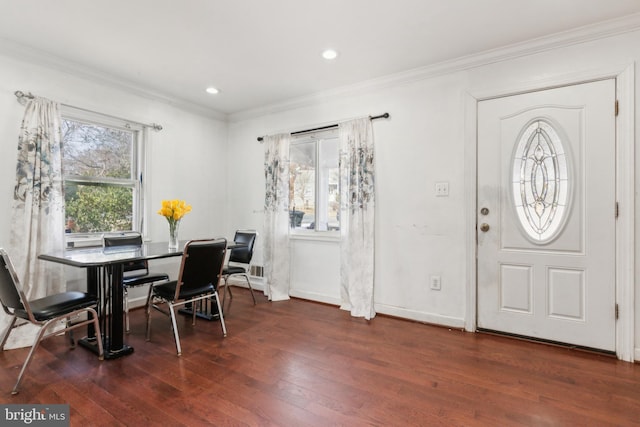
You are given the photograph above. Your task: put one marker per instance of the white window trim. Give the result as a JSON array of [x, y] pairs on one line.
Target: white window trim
[[315, 234], [79, 240], [321, 236]]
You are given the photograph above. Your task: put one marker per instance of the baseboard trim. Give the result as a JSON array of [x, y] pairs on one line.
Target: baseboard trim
[[312, 296], [420, 316]]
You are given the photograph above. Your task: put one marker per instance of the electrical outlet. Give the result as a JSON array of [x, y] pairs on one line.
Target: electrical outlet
[[442, 189], [435, 283]]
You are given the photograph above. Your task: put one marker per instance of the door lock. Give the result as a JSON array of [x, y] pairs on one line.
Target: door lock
[[484, 211]]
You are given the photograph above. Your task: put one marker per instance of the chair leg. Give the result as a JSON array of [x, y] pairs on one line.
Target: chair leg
[[246, 276], [26, 363], [96, 327], [148, 314], [72, 341], [175, 329], [228, 287], [41, 334], [7, 332], [224, 327], [193, 311], [127, 329]]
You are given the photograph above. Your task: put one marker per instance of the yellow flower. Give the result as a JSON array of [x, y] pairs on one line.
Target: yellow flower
[[174, 210]]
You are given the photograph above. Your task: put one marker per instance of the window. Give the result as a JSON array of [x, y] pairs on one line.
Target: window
[[314, 188], [540, 181], [100, 170]]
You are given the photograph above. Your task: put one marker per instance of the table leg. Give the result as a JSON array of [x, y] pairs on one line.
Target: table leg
[[107, 284], [92, 288]]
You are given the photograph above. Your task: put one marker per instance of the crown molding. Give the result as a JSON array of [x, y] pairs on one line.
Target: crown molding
[[35, 56], [554, 41], [575, 36]]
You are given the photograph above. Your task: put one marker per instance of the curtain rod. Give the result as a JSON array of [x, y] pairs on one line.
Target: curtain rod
[[381, 116], [21, 95]]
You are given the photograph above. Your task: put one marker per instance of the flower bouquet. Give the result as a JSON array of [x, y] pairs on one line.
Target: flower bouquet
[[173, 211]]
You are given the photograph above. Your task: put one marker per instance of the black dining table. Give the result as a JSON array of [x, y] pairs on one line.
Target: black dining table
[[104, 266]]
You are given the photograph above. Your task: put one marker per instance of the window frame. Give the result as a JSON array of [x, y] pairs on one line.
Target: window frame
[[139, 135], [316, 138]]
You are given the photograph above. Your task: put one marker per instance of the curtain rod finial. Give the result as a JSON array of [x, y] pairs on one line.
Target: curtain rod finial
[[22, 97], [381, 116]]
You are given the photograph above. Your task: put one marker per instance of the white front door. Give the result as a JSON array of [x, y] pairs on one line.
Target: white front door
[[546, 215]]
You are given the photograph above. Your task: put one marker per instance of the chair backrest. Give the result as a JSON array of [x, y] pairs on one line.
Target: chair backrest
[[244, 254], [127, 239], [124, 239], [201, 265], [11, 294]]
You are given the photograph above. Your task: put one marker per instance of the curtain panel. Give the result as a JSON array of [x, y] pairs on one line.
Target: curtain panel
[[357, 205], [276, 217], [37, 214]]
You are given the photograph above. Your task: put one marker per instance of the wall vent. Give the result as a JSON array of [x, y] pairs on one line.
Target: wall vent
[[256, 271]]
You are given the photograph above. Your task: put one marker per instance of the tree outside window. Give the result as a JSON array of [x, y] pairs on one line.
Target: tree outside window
[[99, 172]]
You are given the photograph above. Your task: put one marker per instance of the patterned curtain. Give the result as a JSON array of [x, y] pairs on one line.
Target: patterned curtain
[[276, 218], [37, 214], [357, 197]]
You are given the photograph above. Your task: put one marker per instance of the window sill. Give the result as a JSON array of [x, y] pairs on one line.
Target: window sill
[[318, 236]]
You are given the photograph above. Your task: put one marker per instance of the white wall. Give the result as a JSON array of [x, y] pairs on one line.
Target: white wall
[[186, 160], [424, 142], [417, 234]]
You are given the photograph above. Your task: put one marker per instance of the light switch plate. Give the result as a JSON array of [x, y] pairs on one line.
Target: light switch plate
[[435, 283]]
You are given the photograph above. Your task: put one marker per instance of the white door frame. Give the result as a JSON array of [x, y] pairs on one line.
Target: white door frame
[[625, 190]]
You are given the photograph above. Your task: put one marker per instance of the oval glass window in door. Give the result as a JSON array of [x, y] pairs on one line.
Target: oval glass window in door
[[540, 181]]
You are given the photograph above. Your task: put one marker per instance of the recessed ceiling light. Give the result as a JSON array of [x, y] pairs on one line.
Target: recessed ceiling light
[[329, 54], [212, 90]]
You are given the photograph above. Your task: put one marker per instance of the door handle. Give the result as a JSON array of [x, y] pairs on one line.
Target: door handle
[[484, 227]]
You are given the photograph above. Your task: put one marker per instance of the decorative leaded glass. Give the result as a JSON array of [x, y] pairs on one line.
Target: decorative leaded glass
[[540, 181]]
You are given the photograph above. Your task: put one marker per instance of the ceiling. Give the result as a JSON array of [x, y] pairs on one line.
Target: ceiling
[[261, 53]]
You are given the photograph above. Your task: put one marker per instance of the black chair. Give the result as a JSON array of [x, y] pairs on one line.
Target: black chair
[[43, 312], [200, 272], [240, 261], [136, 273]]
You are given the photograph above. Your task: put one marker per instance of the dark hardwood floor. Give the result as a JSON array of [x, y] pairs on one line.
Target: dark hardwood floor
[[299, 363]]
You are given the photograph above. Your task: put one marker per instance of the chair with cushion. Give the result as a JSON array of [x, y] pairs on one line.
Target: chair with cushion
[[200, 272], [136, 273], [43, 312], [240, 261]]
